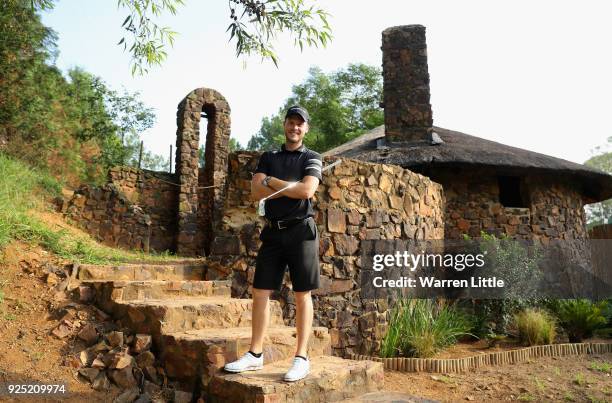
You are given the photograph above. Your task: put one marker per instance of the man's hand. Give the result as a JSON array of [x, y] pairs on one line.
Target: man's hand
[[259, 191]]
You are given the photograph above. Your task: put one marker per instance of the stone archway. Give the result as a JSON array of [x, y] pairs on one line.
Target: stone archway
[[199, 209]]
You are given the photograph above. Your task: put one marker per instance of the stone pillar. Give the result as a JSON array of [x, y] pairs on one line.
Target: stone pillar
[[408, 115], [193, 234]]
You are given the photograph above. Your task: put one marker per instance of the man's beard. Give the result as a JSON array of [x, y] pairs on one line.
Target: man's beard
[[290, 140]]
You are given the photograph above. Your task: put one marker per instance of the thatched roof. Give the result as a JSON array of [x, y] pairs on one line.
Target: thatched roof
[[460, 149]]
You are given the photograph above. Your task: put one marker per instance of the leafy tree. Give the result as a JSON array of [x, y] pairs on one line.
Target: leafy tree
[[601, 213], [254, 26], [342, 105]]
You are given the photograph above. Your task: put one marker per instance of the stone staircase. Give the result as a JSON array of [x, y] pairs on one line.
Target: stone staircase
[[197, 327]]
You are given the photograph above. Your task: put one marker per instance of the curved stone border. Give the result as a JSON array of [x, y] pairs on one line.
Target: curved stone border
[[500, 358]]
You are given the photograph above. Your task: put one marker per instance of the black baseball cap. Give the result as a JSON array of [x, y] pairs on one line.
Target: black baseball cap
[[298, 110]]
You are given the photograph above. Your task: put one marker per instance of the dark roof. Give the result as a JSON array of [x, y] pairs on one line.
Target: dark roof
[[465, 150]]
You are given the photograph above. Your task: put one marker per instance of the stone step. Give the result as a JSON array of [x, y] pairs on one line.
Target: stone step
[[331, 379], [157, 316], [142, 272], [126, 290], [187, 355]]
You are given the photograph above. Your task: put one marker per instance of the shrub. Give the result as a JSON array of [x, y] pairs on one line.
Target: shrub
[[421, 328], [535, 327], [580, 317]]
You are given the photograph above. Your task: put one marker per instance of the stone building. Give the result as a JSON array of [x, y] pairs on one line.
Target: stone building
[[488, 186]]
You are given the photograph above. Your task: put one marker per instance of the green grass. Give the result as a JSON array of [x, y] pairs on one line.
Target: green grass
[[421, 328], [568, 397], [539, 384], [604, 367], [23, 188], [579, 379]]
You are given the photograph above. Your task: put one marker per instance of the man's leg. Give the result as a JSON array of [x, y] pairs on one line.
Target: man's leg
[[260, 318], [303, 321]]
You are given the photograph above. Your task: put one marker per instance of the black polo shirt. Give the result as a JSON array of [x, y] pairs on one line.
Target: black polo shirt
[[290, 166]]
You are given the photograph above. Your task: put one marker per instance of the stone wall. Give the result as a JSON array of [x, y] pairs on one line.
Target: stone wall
[[107, 215], [118, 212], [356, 201], [157, 194], [472, 205]]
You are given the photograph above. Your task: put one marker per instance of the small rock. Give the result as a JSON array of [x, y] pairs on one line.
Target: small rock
[[62, 330], [100, 314], [150, 373], [122, 361], [127, 396], [61, 286], [101, 346], [145, 359], [52, 279], [88, 334], [89, 373], [123, 377], [98, 362], [142, 342], [101, 382], [86, 293], [469, 398], [87, 357], [182, 397], [151, 388], [144, 398], [115, 339], [21, 333]]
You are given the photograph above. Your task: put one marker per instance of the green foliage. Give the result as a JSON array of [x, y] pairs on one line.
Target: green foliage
[[74, 127], [342, 105], [421, 328], [600, 213], [517, 263], [580, 317], [23, 188], [535, 327], [254, 25], [605, 367]]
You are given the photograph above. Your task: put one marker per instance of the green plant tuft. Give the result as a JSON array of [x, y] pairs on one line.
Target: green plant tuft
[[421, 328], [535, 327]]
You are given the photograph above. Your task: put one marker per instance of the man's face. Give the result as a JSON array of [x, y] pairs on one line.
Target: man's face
[[295, 129]]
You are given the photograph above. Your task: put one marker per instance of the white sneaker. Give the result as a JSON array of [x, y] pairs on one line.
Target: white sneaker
[[299, 369], [248, 362]]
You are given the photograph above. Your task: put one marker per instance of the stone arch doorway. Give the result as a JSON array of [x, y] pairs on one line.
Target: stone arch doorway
[[201, 192]]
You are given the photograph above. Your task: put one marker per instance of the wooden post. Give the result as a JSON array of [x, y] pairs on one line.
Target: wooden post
[[140, 153], [170, 165]]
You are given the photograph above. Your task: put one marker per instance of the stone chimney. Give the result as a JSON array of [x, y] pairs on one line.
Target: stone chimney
[[408, 116]]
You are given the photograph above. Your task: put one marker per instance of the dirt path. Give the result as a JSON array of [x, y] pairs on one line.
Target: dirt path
[[566, 379]]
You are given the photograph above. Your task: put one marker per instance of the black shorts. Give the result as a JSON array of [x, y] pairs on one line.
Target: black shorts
[[296, 247]]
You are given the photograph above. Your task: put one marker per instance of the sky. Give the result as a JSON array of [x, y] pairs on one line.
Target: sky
[[530, 74]]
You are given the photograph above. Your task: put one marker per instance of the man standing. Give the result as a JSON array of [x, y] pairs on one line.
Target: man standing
[[290, 238]]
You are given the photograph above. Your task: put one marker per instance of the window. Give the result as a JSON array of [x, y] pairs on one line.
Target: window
[[512, 192]]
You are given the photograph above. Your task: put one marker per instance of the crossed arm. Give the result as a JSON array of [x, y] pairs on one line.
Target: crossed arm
[[304, 189]]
